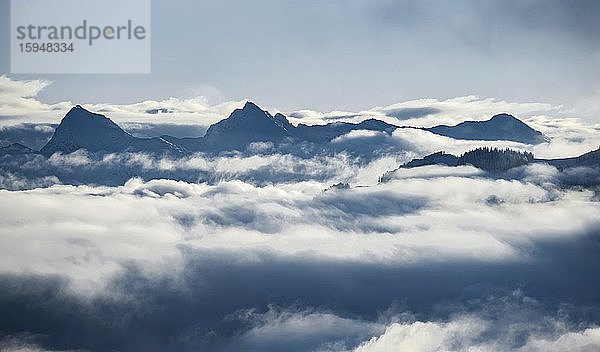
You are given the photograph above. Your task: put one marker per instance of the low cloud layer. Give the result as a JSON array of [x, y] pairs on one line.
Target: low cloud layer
[[232, 266], [20, 104]]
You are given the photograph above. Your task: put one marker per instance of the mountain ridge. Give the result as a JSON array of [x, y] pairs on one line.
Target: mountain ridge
[[501, 126], [82, 129], [252, 124]]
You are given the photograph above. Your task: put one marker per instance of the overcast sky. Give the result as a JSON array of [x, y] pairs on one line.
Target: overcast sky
[[356, 54]]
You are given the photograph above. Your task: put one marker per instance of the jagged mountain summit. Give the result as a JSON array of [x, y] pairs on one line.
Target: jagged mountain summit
[[282, 121], [247, 125], [499, 127], [252, 124], [243, 126], [82, 129]]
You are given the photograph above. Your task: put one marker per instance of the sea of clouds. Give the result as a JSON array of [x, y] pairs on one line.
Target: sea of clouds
[[255, 251], [426, 263]]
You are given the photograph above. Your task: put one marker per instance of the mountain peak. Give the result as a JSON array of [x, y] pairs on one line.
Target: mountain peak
[[246, 125], [504, 117], [82, 129], [80, 118], [79, 110], [251, 106], [250, 111]]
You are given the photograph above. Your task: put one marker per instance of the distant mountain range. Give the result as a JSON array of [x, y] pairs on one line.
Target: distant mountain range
[[252, 124], [82, 129]]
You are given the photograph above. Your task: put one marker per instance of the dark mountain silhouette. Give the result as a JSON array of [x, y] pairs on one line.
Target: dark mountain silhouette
[[499, 127], [252, 124], [244, 126], [82, 129], [325, 133]]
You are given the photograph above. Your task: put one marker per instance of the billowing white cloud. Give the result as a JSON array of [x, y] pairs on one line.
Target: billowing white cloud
[[88, 232], [456, 110], [569, 136], [430, 112], [228, 250], [467, 334], [427, 336], [19, 104], [18, 99]]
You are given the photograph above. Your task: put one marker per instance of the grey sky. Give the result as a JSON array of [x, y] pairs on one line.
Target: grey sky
[[334, 54]]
